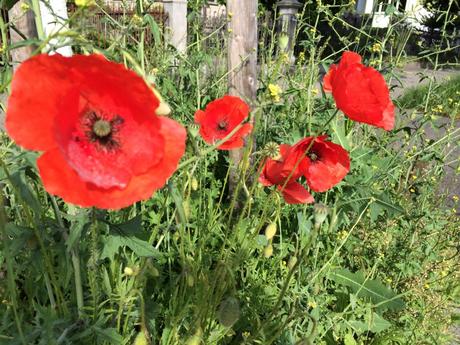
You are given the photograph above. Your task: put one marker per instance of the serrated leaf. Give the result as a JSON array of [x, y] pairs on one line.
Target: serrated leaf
[[374, 290], [109, 334], [127, 234], [349, 339]]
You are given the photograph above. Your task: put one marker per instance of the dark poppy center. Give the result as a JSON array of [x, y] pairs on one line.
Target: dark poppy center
[[222, 125], [313, 156], [102, 128]]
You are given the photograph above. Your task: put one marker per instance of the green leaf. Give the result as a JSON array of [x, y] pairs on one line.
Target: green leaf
[[154, 28], [349, 339], [18, 180], [373, 323], [368, 289], [127, 234], [109, 334]]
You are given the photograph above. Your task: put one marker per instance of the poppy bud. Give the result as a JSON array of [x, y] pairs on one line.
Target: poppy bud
[[194, 183], [195, 339], [283, 41], [268, 251], [270, 231], [320, 213], [163, 109], [141, 339], [292, 262], [128, 271], [229, 312]]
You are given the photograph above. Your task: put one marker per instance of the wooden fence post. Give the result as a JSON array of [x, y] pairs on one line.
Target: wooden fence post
[[242, 61], [177, 23]]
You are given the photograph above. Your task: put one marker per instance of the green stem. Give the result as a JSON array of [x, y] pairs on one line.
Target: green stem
[[74, 252], [11, 275]]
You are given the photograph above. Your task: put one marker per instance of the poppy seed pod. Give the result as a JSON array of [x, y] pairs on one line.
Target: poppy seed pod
[[229, 312], [320, 213]]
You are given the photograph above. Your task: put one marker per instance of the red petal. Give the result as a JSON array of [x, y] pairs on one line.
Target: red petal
[[236, 141], [327, 80], [295, 193], [37, 89], [59, 179], [331, 167], [349, 58], [199, 116]]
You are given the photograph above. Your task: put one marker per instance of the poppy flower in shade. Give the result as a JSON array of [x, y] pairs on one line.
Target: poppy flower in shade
[[275, 172], [323, 163], [220, 118], [95, 120], [360, 92]]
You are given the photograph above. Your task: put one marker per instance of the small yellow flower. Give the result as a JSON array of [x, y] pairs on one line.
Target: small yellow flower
[[275, 91], [301, 57], [376, 48], [84, 3], [285, 57], [25, 6], [312, 304], [155, 70], [314, 91], [230, 30], [414, 177], [246, 334], [230, 14], [455, 198], [389, 280], [412, 190], [426, 286], [136, 20]]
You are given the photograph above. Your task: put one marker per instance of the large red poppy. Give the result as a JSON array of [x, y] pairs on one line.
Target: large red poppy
[[220, 118], [323, 163], [275, 172], [95, 120], [360, 92]]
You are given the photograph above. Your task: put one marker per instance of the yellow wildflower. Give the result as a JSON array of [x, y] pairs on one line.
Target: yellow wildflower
[[275, 91]]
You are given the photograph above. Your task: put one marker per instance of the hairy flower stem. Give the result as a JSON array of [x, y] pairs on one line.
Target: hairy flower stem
[[11, 274], [75, 259], [92, 262]]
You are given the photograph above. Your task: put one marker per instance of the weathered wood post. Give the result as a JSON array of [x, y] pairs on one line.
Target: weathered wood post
[[177, 23], [242, 61]]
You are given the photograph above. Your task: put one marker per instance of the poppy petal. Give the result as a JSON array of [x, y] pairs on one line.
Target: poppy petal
[[59, 179], [295, 193], [35, 101]]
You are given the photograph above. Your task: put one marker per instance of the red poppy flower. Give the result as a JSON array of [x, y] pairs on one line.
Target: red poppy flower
[[95, 121], [276, 173], [220, 118], [360, 92], [323, 163]]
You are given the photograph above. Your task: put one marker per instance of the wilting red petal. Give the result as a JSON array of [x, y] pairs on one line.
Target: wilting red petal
[[37, 90], [361, 92], [295, 193], [59, 179], [220, 117]]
